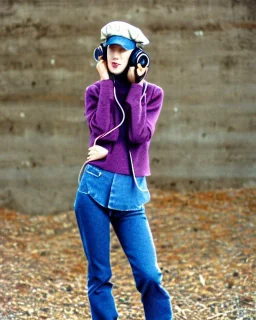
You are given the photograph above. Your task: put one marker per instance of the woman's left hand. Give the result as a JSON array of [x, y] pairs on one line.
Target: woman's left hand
[[140, 72]]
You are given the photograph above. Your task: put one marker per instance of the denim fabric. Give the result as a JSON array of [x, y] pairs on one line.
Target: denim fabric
[[133, 231], [113, 190]]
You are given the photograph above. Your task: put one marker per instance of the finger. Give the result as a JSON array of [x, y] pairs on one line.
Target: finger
[[140, 71], [92, 148], [139, 66], [92, 153], [100, 62], [93, 157]]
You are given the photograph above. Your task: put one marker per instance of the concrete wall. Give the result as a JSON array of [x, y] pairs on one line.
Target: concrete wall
[[202, 54]]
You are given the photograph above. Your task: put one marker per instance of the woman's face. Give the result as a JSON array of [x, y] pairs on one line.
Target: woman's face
[[117, 58]]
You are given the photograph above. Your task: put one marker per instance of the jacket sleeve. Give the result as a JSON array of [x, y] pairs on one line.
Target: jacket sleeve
[[143, 117], [98, 110]]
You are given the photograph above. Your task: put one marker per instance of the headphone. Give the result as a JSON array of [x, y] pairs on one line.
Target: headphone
[[137, 56]]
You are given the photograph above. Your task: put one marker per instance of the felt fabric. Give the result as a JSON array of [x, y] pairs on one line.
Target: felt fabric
[[103, 113]]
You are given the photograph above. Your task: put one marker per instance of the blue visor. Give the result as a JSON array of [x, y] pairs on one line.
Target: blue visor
[[122, 41]]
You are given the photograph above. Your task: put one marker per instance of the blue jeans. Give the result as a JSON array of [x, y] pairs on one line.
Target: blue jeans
[[133, 231]]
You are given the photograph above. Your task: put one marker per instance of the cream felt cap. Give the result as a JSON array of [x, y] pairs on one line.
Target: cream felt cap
[[125, 30]]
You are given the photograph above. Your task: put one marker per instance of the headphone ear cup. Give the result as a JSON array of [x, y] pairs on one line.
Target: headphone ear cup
[[139, 56], [143, 59], [132, 59], [100, 51]]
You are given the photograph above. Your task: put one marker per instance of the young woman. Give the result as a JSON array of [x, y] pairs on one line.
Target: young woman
[[121, 110]]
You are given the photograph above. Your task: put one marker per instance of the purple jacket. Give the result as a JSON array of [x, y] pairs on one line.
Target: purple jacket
[[103, 113]]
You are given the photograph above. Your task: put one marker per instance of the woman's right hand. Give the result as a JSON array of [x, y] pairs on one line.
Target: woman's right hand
[[102, 69], [96, 152]]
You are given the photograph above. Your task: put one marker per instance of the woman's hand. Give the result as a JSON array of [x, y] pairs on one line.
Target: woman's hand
[[96, 152], [102, 69], [140, 72]]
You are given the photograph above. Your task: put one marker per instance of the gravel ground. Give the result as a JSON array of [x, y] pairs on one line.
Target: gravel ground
[[205, 245]]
